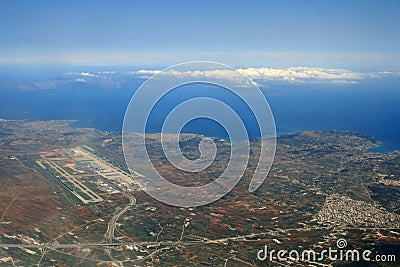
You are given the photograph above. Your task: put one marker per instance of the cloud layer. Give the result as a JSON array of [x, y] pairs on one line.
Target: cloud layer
[[260, 75]]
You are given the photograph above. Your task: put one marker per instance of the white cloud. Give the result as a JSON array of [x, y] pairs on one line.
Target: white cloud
[[147, 72], [301, 73], [106, 72], [293, 74], [84, 74], [87, 74]]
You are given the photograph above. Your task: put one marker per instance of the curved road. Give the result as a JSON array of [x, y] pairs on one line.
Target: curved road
[[109, 235]]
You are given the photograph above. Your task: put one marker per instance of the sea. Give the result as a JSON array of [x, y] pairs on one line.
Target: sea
[[370, 106]]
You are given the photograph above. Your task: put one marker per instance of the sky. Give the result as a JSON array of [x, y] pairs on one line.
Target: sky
[[282, 33]]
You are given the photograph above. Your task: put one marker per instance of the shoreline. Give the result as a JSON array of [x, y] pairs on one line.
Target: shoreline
[[382, 147]]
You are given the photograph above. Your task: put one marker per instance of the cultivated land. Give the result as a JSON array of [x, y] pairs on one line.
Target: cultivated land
[[67, 200]]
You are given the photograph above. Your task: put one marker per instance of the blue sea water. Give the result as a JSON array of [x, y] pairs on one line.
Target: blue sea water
[[370, 107]]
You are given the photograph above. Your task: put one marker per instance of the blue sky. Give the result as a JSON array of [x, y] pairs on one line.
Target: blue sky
[[357, 34]]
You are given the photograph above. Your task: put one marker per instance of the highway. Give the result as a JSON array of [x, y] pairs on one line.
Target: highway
[[243, 238], [110, 233]]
